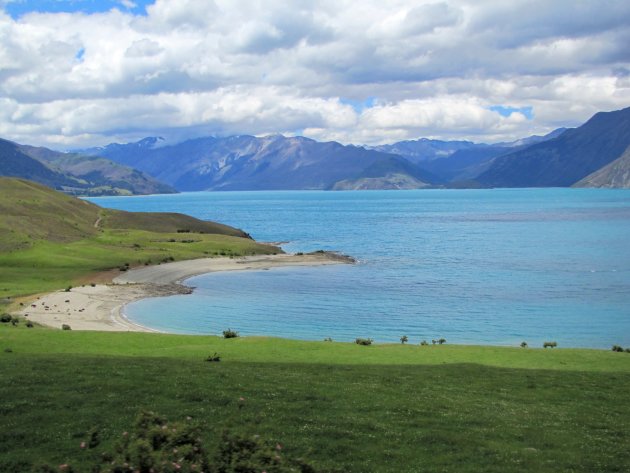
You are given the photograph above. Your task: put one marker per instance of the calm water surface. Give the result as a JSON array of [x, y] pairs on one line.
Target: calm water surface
[[494, 266]]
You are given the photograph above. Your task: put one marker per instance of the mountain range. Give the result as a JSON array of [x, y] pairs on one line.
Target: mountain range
[[590, 155], [75, 173]]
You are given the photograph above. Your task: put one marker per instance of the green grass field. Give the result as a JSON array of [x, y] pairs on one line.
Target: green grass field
[[382, 408]]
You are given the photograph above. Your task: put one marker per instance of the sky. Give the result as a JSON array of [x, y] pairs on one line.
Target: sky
[[78, 73]]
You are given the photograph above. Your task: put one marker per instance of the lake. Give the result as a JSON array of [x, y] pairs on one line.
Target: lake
[[495, 266]]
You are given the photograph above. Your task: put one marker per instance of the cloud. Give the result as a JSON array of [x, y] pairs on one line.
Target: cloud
[[419, 68]]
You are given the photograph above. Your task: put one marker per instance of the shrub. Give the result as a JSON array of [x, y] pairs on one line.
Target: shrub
[[617, 348], [68, 289], [627, 350], [93, 284], [523, 344], [404, 339], [5, 318], [29, 324], [15, 321], [65, 327], [363, 341], [328, 339], [229, 333], [156, 445], [8, 350], [214, 357], [424, 343], [550, 344], [442, 341]]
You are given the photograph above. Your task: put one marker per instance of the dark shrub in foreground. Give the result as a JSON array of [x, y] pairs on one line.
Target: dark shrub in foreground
[[66, 327], [363, 341], [5, 318], [214, 357], [617, 348], [158, 446], [229, 333]]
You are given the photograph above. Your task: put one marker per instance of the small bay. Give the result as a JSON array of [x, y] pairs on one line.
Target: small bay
[[495, 266]]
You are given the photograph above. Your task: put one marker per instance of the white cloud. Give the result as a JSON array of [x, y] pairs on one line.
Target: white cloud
[[196, 67]]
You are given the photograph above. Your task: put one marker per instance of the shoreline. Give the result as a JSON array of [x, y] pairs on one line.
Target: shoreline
[[100, 306]]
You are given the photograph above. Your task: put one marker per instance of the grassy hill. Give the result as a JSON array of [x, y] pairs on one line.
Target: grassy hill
[[49, 239]]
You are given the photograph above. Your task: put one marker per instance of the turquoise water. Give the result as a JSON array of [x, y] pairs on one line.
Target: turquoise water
[[494, 266]]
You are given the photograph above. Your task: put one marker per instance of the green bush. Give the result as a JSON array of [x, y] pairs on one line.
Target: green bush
[[550, 344], [68, 289], [5, 318], [229, 333], [214, 357], [424, 343], [65, 327], [29, 324], [328, 339], [363, 341], [617, 348], [404, 339], [523, 344], [442, 341]]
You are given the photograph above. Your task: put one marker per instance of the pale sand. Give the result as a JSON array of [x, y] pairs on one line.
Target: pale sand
[[100, 307]]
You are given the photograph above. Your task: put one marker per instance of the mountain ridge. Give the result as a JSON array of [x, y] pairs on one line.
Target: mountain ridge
[[565, 159], [73, 173]]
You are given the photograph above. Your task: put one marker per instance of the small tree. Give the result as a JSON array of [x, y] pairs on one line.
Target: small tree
[[363, 341], [229, 333], [550, 344], [424, 343], [404, 339], [523, 344], [442, 341]]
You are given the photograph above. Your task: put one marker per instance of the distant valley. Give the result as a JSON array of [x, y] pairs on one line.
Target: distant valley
[[591, 155]]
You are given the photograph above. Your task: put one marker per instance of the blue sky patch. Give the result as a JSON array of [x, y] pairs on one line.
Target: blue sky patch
[[506, 111], [359, 105], [17, 8]]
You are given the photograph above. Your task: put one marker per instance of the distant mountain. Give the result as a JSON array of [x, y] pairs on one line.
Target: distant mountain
[[15, 163], [613, 175], [566, 159], [75, 174], [531, 140], [424, 149], [272, 162], [458, 161]]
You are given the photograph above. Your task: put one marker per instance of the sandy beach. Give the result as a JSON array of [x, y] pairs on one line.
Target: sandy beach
[[99, 306]]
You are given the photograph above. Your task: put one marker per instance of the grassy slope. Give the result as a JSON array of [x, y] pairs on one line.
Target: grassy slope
[[347, 408], [49, 240]]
